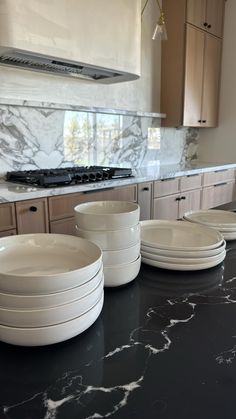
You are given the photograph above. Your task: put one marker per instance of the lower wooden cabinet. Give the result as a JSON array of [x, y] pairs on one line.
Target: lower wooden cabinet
[[145, 200], [218, 194], [7, 217], [174, 206], [32, 216], [65, 226], [7, 233]]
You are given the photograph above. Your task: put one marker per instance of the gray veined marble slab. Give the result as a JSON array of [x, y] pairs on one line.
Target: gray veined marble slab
[[12, 192]]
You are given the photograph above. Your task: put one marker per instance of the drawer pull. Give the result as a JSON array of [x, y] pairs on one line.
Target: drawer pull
[[195, 174], [220, 184], [178, 199], [33, 209], [183, 197], [98, 190], [146, 188], [167, 180], [209, 26], [205, 24]]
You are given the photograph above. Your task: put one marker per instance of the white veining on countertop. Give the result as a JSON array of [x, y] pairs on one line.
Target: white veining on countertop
[[11, 192]]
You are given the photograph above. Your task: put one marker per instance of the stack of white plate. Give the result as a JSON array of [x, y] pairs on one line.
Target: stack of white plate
[[114, 226], [179, 245], [223, 221], [51, 288]]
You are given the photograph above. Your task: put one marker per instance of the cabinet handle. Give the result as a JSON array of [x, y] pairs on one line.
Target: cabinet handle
[[178, 199], [209, 26], [199, 121], [33, 209], [205, 24], [97, 190], [204, 121], [220, 184], [146, 188], [183, 197]]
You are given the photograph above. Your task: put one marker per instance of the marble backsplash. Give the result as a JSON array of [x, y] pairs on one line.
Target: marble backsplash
[[37, 137]]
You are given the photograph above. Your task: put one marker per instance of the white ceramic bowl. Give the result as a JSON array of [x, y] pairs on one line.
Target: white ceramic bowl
[[107, 215], [120, 257], [117, 275], [42, 301], [40, 336], [51, 316], [112, 239], [46, 263]]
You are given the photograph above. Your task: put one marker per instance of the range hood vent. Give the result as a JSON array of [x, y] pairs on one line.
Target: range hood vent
[[42, 64], [97, 40]]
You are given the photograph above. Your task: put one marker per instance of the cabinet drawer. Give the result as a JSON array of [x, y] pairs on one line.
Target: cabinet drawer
[[62, 206], [32, 216], [7, 217], [7, 233], [220, 194], [65, 226], [212, 178], [190, 182], [166, 187]]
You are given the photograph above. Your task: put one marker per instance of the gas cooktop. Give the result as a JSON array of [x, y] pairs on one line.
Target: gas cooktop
[[67, 176]]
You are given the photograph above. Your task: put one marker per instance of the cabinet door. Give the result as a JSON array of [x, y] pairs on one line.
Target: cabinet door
[[190, 201], [211, 81], [220, 194], [65, 226], [166, 208], [193, 77], [32, 216], [145, 200], [215, 16], [7, 217], [7, 233], [196, 13]]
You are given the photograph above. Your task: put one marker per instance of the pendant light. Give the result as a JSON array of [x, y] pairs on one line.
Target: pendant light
[[159, 31]]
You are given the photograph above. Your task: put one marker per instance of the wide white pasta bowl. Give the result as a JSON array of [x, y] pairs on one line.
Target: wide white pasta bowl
[[40, 336], [107, 215], [121, 257], [46, 263], [52, 315]]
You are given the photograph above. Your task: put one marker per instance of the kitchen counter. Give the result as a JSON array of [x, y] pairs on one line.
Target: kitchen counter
[[163, 347], [12, 192]]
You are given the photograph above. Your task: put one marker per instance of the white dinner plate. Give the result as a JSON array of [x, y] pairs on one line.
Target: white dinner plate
[[180, 267], [182, 261], [184, 253], [216, 218], [229, 236], [179, 235]]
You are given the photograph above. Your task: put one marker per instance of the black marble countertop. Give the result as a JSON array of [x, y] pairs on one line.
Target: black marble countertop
[[163, 347]]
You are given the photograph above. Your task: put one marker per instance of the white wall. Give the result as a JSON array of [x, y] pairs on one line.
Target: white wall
[[219, 144], [140, 95]]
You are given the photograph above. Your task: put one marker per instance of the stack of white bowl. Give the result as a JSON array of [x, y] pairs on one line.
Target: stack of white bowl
[[179, 245], [114, 226], [51, 288], [223, 221]]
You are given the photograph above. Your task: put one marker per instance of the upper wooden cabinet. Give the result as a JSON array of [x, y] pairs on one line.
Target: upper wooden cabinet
[[202, 75], [207, 15], [190, 67]]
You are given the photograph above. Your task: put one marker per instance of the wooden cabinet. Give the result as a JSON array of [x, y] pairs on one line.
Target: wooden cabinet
[[207, 15], [218, 188], [202, 77], [7, 218], [32, 216], [145, 200], [186, 197], [190, 68]]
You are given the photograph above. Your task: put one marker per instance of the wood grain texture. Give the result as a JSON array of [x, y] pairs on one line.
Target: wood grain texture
[[166, 187], [190, 182], [191, 202], [32, 221], [145, 200], [166, 208], [7, 217], [211, 178], [215, 16], [196, 12]]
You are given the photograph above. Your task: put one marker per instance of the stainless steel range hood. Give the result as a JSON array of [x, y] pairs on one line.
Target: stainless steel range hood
[[91, 39]]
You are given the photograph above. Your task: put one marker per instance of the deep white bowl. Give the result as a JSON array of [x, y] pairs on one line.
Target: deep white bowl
[[120, 257], [117, 275], [107, 215], [40, 336], [112, 239], [46, 263], [43, 301], [51, 316]]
